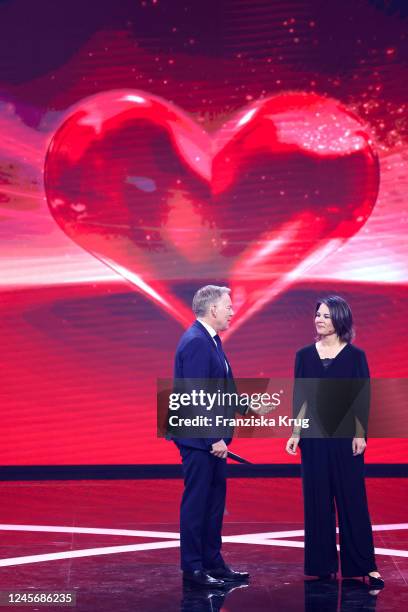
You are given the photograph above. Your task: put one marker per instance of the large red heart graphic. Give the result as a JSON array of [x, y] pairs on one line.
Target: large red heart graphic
[[137, 183]]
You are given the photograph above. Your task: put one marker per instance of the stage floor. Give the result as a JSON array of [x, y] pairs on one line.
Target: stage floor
[[115, 543]]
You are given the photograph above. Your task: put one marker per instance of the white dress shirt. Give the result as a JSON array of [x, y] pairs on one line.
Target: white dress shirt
[[212, 333]]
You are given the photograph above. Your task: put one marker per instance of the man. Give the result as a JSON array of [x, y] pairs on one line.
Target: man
[[200, 355]]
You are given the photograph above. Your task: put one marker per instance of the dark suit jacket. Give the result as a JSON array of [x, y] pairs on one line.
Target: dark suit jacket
[[197, 357]]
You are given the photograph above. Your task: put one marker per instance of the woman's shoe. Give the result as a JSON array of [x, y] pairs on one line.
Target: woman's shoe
[[378, 583]]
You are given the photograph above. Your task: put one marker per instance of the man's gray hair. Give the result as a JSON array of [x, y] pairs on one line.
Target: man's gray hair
[[206, 296]]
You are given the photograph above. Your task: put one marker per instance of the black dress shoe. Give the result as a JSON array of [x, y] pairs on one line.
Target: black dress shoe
[[201, 578], [330, 576], [228, 575]]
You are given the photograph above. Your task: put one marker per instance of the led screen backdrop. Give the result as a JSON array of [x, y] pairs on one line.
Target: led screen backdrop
[[148, 148]]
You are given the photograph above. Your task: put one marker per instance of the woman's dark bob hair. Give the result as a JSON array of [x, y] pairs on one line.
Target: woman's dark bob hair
[[341, 316]]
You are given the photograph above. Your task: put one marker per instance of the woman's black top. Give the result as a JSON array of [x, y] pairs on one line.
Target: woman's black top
[[334, 393], [326, 361]]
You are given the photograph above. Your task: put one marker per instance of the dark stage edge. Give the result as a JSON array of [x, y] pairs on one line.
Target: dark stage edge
[[150, 471]]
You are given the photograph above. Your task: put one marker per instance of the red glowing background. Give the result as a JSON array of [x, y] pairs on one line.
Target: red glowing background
[[152, 147]]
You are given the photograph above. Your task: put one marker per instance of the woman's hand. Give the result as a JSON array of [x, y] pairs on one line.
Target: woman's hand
[[358, 445], [292, 445]]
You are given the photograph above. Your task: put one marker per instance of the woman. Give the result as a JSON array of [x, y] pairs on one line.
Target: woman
[[332, 448]]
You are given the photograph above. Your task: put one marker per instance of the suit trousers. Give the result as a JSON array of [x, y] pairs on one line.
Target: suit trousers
[[333, 477], [202, 509]]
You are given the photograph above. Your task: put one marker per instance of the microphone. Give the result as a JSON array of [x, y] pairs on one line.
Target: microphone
[[238, 458]]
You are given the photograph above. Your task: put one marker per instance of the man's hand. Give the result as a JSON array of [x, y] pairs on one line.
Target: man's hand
[[262, 410], [358, 446], [292, 445], [266, 408], [219, 449]]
